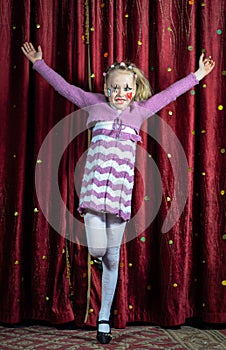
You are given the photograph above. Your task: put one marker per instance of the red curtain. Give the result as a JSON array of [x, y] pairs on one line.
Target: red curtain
[[164, 278]]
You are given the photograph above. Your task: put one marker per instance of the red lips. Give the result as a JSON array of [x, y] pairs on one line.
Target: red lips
[[119, 99]]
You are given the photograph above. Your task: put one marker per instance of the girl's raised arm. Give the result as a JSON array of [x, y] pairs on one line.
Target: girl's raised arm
[[162, 99], [72, 93]]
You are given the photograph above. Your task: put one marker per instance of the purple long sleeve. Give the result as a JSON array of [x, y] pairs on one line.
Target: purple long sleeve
[[73, 93], [162, 99], [99, 109]]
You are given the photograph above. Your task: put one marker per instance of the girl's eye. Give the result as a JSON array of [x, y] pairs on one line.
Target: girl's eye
[[127, 88]]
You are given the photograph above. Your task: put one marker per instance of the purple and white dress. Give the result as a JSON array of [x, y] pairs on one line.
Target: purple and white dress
[[109, 171]]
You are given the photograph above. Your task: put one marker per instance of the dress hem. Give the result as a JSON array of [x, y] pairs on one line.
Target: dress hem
[[119, 213]]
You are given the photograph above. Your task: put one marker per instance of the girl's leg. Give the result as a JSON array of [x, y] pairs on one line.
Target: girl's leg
[[115, 230], [96, 233]]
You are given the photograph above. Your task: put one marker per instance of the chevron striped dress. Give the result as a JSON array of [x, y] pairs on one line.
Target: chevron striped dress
[[109, 171]]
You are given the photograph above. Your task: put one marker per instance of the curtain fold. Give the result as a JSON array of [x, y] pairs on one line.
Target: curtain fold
[[164, 278]]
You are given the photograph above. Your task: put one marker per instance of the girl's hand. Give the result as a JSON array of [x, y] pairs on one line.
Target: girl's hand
[[30, 52], [206, 65]]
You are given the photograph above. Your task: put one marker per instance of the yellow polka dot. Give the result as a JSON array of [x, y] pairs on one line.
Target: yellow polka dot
[[175, 285], [222, 192], [91, 310], [220, 107], [223, 283], [130, 307]]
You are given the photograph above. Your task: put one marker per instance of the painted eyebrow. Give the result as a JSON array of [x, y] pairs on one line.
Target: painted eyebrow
[[126, 87]]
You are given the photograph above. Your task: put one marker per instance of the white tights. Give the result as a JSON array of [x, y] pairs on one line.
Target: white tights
[[104, 234]]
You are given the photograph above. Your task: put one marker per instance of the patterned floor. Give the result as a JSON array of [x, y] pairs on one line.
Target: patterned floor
[[136, 337]]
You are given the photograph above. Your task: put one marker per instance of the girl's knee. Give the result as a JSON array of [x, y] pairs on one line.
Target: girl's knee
[[112, 264], [97, 252], [111, 259]]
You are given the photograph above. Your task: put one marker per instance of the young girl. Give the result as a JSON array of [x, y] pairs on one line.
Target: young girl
[[115, 117]]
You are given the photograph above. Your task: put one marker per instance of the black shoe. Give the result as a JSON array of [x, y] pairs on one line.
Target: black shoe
[[98, 263], [102, 337]]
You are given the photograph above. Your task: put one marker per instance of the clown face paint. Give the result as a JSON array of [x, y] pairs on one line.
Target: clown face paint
[[120, 89], [129, 95]]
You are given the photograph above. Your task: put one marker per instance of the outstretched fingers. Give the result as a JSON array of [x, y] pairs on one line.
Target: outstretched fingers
[[28, 47], [30, 52]]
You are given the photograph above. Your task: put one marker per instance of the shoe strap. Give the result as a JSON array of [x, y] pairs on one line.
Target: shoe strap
[[103, 322]]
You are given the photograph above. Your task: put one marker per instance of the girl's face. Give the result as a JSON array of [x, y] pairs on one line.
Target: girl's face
[[120, 89]]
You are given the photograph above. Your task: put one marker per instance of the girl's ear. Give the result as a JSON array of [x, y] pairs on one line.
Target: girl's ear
[[105, 90], [134, 90]]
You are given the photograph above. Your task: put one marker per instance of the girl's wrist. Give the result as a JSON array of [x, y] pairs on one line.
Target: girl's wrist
[[200, 74], [35, 60]]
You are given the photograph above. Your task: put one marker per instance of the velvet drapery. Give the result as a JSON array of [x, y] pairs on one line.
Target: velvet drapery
[[164, 278]]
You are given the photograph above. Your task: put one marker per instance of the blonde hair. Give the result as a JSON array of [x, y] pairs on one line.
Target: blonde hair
[[143, 89]]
